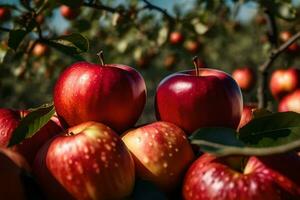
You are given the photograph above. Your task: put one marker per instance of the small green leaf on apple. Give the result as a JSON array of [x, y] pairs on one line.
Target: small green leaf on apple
[[32, 123]]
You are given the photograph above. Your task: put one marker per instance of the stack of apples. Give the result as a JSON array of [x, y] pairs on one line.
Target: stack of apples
[[92, 150]]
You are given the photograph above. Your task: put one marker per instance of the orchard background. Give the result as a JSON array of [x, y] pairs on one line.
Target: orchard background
[[225, 35]]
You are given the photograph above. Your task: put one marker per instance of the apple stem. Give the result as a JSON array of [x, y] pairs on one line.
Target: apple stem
[[101, 57], [70, 133], [196, 64]]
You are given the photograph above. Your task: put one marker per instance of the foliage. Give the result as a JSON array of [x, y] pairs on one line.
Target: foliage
[[135, 33]]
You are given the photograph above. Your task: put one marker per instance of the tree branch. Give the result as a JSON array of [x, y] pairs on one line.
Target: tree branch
[[263, 70], [272, 28], [150, 6]]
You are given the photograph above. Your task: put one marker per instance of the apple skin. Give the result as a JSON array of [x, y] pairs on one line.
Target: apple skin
[[161, 153], [285, 36], [245, 78], [192, 46], [90, 161], [247, 115], [283, 82], [290, 102], [176, 38], [170, 61], [10, 119], [211, 99], [12, 167], [4, 14], [111, 94], [69, 12], [213, 178], [40, 50]]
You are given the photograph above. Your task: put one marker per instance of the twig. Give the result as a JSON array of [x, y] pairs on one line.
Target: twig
[[150, 6], [263, 70], [272, 28]]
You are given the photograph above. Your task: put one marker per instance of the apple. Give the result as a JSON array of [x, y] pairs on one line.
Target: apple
[[40, 19], [260, 20], [40, 49], [210, 177], [247, 114], [290, 102], [199, 98], [192, 46], [12, 167], [284, 81], [176, 37], [69, 13], [161, 152], [285, 36], [10, 119], [112, 94], [89, 160], [4, 14], [245, 78], [170, 61]]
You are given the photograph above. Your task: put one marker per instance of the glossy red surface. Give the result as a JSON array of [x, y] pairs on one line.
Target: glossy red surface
[[283, 82], [290, 102], [191, 102], [210, 178], [161, 152], [90, 161], [10, 119], [111, 94], [244, 77]]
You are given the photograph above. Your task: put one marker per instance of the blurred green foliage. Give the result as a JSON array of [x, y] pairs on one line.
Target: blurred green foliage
[[135, 35]]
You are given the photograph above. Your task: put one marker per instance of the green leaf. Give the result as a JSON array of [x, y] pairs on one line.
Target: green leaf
[[274, 126], [74, 43], [260, 113], [32, 123], [226, 136], [15, 38], [266, 135]]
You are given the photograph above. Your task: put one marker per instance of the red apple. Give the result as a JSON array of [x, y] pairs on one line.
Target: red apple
[[90, 161], [247, 114], [4, 14], [176, 37], [12, 167], [227, 178], [192, 46], [170, 61], [161, 152], [109, 93], [291, 102], [192, 99], [283, 82], [285, 36], [10, 119], [245, 78], [40, 50], [69, 12]]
